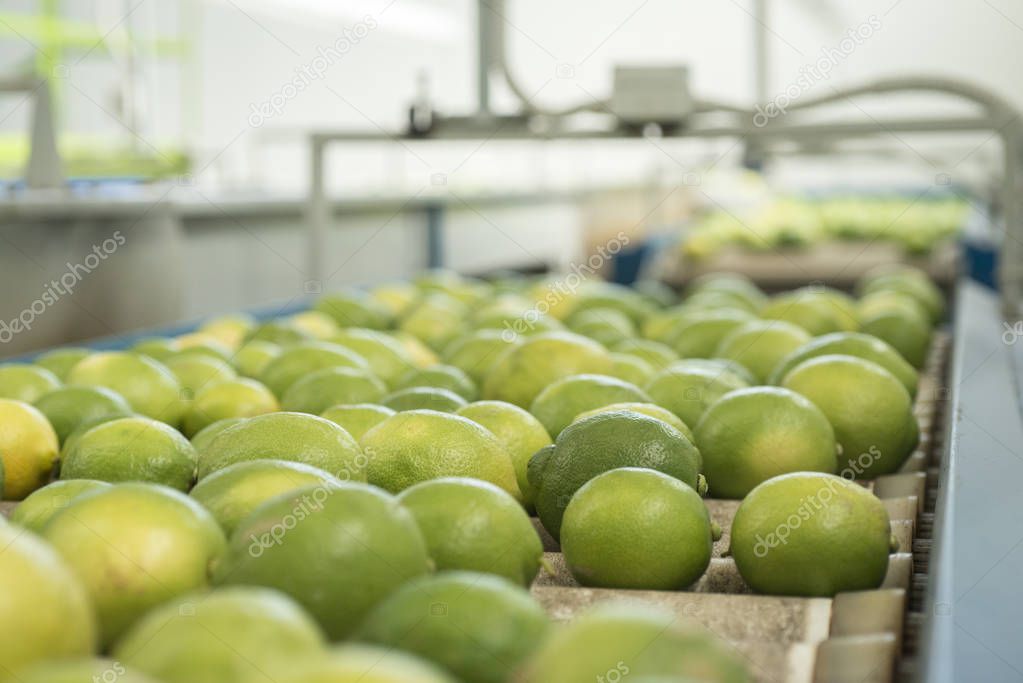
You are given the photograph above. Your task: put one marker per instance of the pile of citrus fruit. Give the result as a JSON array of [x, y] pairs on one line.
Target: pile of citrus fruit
[[346, 494]]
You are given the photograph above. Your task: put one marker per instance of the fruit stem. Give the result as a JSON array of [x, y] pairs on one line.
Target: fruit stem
[[546, 565]]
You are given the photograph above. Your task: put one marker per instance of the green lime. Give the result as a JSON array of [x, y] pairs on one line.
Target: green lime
[[132, 449], [815, 313], [811, 534], [761, 345], [440, 377], [477, 352], [636, 528], [656, 292], [423, 398], [251, 359], [228, 330], [606, 326], [606, 442], [148, 386], [523, 371], [659, 325], [195, 372], [60, 361], [658, 355], [460, 287], [28, 449], [301, 359], [353, 308], [328, 387], [910, 282], [79, 431], [600, 295], [688, 388], [45, 611], [419, 445], [650, 409], [387, 356], [869, 408], [422, 355], [295, 437], [338, 551], [357, 418], [20, 382], [898, 320], [135, 546], [558, 404], [232, 493], [67, 408], [358, 663], [622, 641], [856, 344], [699, 333], [196, 344], [520, 433], [514, 324], [280, 332], [239, 397], [231, 635], [472, 525], [479, 627], [732, 283], [316, 324], [751, 435], [436, 320], [204, 437], [631, 369], [35, 511], [81, 671], [842, 305], [710, 300], [396, 297], [157, 348]]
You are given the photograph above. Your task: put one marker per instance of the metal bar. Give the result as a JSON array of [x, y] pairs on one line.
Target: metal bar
[[434, 236], [761, 68], [515, 128], [483, 56], [319, 213]]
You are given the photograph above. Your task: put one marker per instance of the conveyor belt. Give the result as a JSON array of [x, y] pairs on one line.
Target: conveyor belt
[[862, 637]]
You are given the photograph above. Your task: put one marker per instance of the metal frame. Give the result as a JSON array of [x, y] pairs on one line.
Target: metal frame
[[997, 118]]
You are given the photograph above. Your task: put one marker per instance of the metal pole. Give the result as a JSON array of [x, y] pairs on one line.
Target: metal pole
[[760, 55], [484, 55], [319, 213], [434, 236]]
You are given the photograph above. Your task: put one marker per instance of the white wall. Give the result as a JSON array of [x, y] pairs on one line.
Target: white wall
[[248, 50], [376, 79]]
